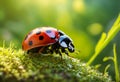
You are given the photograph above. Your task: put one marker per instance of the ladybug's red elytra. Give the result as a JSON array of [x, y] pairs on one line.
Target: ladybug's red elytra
[[45, 40]]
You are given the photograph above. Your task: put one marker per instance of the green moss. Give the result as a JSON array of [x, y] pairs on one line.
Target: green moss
[[17, 66]]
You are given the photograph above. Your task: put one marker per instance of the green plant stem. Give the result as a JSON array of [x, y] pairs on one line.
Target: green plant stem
[[103, 46], [106, 68], [116, 64]]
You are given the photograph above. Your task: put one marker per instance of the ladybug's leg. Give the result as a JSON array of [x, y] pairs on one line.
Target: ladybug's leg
[[56, 48], [64, 51], [60, 54], [57, 51], [49, 49], [41, 50], [28, 52], [45, 50]]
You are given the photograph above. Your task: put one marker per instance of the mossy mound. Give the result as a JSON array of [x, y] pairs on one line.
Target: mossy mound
[[17, 66]]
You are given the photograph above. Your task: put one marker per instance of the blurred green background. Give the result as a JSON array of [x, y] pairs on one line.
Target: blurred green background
[[82, 20]]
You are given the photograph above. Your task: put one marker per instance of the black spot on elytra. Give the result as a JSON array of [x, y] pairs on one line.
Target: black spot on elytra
[[48, 31], [37, 33], [30, 43], [41, 37]]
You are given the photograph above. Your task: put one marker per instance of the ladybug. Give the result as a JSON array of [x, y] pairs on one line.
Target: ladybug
[[45, 40]]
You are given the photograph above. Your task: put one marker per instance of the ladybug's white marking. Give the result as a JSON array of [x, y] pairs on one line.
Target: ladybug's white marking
[[63, 44], [51, 34]]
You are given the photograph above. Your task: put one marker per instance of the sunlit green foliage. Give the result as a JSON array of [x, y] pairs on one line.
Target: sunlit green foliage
[[105, 39], [103, 42], [115, 61]]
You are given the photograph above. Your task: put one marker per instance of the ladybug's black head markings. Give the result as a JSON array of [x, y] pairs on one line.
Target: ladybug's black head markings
[[66, 42]]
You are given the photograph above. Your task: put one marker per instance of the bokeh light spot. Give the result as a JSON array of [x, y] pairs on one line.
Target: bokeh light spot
[[95, 28], [79, 6]]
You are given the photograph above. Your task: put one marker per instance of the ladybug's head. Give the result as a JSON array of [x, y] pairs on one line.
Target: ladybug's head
[[66, 42]]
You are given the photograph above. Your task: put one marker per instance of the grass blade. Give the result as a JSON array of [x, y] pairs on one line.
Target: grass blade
[[116, 64], [105, 39]]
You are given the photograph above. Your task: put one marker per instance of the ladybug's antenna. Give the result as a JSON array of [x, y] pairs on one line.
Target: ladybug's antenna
[[76, 53]]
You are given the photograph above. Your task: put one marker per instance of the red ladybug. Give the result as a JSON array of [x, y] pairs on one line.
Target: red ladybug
[[46, 40]]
